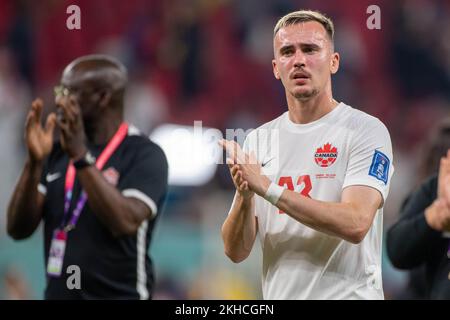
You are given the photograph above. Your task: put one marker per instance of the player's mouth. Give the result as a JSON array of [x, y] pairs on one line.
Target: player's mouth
[[300, 77]]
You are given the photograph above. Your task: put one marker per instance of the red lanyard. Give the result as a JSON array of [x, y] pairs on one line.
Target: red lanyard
[[112, 145]]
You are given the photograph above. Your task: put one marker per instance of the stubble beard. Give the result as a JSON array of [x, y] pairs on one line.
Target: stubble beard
[[305, 95]]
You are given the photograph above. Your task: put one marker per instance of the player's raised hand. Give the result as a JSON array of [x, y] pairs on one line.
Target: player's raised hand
[[240, 184], [39, 140], [73, 139], [234, 152], [248, 168], [437, 215]]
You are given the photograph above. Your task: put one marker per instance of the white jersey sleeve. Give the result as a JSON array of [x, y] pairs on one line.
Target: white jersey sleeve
[[370, 159]]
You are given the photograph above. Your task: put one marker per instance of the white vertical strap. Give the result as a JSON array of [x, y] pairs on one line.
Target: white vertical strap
[[141, 285]]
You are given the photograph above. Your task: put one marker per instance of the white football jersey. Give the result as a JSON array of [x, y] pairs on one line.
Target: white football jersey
[[343, 148]]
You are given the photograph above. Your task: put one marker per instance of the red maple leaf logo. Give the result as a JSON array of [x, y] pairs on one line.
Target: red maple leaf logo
[[111, 175], [325, 156]]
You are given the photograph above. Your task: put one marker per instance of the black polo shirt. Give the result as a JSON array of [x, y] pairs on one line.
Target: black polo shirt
[[110, 267], [411, 242]]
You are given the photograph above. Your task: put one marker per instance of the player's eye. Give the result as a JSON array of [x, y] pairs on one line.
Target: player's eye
[[310, 49], [287, 52]]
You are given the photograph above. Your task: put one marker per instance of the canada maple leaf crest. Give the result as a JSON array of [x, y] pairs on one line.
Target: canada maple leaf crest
[[111, 175], [326, 155]]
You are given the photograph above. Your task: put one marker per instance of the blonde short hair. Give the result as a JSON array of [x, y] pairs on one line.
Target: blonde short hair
[[305, 16]]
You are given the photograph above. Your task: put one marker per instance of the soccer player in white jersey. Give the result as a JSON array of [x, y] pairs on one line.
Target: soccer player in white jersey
[[311, 183]]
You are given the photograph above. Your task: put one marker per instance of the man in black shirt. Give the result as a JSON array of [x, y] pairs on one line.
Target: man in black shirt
[[421, 236], [98, 190]]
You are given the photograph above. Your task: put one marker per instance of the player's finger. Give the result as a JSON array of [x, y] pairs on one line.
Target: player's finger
[[445, 216], [237, 152], [244, 186], [37, 105], [236, 177], [224, 144], [445, 190], [240, 156], [230, 163], [68, 113], [441, 211], [239, 179], [72, 103], [29, 122], [234, 169], [446, 219], [63, 125], [75, 108], [444, 206], [229, 148], [62, 106], [50, 123]]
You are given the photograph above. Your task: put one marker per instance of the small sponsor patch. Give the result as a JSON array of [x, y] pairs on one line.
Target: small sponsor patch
[[380, 166]]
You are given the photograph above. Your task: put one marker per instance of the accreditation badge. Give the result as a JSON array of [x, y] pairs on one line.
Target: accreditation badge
[[56, 256]]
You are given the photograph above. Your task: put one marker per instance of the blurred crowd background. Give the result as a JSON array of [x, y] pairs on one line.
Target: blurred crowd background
[[210, 60]]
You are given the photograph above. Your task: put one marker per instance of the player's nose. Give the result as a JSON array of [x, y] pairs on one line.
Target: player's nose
[[299, 59]]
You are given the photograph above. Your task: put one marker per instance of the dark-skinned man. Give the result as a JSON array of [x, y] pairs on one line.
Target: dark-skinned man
[[98, 190]]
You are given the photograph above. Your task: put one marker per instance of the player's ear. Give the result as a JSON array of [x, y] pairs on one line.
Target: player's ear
[[275, 70], [334, 63]]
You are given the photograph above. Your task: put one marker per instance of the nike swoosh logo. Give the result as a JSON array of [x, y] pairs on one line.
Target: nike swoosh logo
[[52, 177], [265, 163]]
